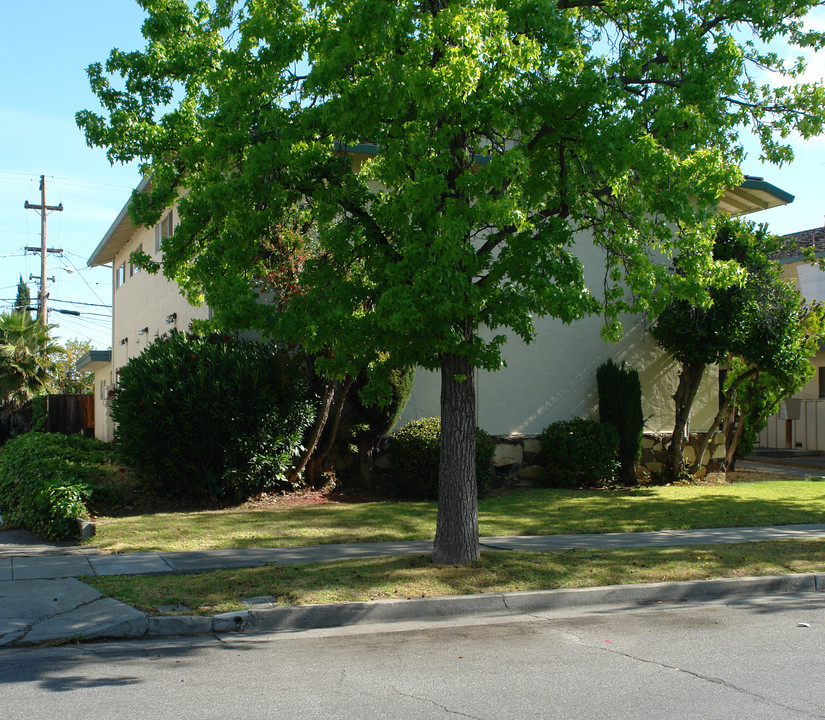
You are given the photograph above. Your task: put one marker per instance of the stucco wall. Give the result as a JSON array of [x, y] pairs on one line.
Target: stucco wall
[[142, 301], [145, 301], [554, 377]]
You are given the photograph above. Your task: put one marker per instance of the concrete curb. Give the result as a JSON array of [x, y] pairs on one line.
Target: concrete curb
[[309, 617]]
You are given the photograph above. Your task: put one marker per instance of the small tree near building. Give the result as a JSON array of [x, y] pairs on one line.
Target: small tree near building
[[756, 326], [68, 379]]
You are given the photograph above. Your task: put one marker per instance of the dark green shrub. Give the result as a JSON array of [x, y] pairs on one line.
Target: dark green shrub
[[363, 422], [580, 453], [40, 413], [212, 417], [415, 456], [620, 404], [47, 479]]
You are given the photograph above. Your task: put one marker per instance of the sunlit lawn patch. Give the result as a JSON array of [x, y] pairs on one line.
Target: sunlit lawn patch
[[521, 512], [416, 576]]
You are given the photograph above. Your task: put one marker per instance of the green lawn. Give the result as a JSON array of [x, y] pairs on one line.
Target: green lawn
[[522, 512], [416, 576]]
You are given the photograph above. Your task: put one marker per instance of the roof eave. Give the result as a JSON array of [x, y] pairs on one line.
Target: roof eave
[[117, 235]]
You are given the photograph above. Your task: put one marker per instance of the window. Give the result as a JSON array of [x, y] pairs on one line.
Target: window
[[164, 229], [822, 382], [135, 269], [120, 275]]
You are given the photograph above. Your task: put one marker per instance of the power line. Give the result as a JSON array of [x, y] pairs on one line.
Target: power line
[[94, 292]]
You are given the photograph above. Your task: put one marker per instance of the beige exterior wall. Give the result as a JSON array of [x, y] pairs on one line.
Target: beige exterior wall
[[141, 304], [554, 377]]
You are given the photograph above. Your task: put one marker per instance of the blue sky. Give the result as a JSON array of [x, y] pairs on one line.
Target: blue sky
[[47, 44]]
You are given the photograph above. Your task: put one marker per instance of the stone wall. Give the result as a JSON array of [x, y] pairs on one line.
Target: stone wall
[[519, 457], [654, 455]]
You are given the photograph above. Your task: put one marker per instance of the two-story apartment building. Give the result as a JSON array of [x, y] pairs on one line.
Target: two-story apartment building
[[144, 306], [552, 378]]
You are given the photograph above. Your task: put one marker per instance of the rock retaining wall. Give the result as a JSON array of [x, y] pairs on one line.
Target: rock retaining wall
[[519, 457]]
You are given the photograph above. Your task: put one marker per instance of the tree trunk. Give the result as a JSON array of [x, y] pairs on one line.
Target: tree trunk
[[366, 450], [730, 400], [456, 534], [317, 429], [319, 458], [730, 456], [689, 381]]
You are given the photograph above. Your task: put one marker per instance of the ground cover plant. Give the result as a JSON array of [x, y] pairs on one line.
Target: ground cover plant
[[494, 572], [279, 521], [47, 480]]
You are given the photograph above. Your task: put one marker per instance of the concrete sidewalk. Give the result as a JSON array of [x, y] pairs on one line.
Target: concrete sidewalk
[[43, 566], [42, 601]]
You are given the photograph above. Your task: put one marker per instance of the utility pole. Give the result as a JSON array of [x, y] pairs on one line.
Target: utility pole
[[43, 250]]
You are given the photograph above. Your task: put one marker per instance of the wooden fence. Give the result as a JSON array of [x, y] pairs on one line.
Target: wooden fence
[[70, 414]]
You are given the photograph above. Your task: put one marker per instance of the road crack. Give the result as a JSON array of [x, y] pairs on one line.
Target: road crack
[[435, 704], [706, 678]]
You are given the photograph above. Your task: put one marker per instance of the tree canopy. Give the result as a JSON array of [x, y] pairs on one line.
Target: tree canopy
[[24, 298], [68, 380], [396, 176], [27, 359], [759, 325]]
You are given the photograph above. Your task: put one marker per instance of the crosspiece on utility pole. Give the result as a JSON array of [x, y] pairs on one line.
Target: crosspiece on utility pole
[[44, 251], [27, 250]]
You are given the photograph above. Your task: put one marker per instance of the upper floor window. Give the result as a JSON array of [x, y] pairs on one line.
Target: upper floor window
[[164, 229], [135, 269], [120, 275]]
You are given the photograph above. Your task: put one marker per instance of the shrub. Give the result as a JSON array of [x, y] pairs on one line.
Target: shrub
[[580, 453], [415, 456], [40, 413], [620, 404], [363, 423], [212, 417], [46, 481]]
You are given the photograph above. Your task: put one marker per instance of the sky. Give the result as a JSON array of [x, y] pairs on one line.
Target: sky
[[47, 45]]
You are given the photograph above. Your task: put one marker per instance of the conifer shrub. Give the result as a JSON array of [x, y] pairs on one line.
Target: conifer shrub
[[580, 453], [416, 449], [213, 417], [47, 480], [620, 404]]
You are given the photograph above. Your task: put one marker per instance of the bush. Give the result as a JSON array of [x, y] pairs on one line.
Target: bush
[[46, 480], [580, 453], [620, 404], [363, 424], [212, 417], [415, 456]]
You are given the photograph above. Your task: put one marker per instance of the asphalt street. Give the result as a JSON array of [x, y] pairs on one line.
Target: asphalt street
[[745, 658]]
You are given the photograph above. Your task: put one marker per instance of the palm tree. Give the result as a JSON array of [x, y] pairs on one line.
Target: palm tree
[[27, 362]]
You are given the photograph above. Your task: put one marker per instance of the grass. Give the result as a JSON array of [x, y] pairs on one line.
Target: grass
[[522, 512], [281, 523], [495, 572]]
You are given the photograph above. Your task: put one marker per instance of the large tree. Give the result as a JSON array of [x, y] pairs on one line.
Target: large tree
[[423, 167]]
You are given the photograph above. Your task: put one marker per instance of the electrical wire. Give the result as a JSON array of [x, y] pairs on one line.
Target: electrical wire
[[94, 292]]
